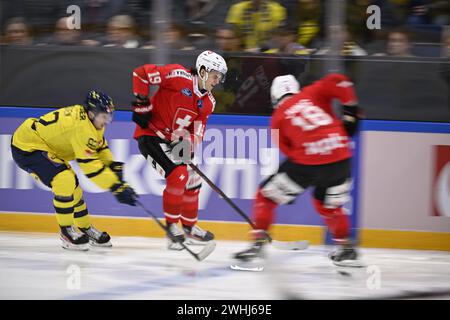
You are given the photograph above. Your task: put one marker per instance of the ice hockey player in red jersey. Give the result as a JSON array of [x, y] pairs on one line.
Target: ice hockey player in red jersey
[[316, 143], [176, 114]]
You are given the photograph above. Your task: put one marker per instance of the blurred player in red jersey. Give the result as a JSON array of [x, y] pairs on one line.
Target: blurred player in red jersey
[[177, 114], [316, 143]]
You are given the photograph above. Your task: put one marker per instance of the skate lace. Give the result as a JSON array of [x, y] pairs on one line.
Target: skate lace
[[175, 230], [94, 233], [72, 233]]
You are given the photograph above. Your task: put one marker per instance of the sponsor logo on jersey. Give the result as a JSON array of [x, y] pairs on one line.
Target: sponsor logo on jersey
[[200, 103], [179, 73], [344, 84], [441, 181], [326, 145], [186, 92], [143, 109]]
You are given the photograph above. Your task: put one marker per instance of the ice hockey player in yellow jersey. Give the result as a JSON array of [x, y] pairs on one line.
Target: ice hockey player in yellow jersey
[[43, 147]]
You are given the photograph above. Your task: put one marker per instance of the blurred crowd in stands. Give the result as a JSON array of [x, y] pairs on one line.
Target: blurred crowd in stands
[[408, 27]]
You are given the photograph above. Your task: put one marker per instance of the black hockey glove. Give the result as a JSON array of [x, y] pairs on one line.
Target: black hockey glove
[[141, 111], [124, 193], [350, 118], [117, 168]]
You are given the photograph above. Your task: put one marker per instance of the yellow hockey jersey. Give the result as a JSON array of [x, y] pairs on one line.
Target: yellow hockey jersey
[[68, 134]]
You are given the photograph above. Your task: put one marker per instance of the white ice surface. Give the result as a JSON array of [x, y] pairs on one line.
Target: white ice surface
[[34, 266]]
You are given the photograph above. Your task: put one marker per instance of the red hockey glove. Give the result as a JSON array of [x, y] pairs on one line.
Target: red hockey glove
[[141, 111]]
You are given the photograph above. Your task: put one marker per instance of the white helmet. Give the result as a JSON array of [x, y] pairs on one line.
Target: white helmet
[[211, 61], [283, 85]]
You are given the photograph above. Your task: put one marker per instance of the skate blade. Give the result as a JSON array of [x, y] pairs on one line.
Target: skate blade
[[73, 247], [100, 245], [242, 267], [207, 250], [349, 264]]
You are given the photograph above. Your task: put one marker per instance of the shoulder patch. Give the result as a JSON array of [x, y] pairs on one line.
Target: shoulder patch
[[186, 92], [92, 144]]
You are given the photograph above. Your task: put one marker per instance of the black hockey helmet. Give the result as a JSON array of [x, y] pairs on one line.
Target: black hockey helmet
[[98, 102]]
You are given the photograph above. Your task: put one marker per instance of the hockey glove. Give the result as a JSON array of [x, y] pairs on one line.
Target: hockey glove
[[124, 193], [141, 111], [350, 118], [181, 150], [117, 168]]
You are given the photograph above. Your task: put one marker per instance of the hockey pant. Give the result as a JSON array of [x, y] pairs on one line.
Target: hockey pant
[[56, 174], [331, 183], [180, 197]]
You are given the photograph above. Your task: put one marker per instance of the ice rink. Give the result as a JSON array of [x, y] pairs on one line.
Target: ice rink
[[34, 266]]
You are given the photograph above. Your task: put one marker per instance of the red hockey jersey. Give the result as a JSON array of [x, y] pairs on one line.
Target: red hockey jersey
[[177, 104], [309, 131]]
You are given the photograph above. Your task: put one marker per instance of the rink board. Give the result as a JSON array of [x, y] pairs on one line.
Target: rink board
[[238, 179]]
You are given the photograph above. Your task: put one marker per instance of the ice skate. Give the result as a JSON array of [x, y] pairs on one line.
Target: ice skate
[[97, 238], [73, 240], [197, 236], [256, 250], [346, 256], [177, 237]]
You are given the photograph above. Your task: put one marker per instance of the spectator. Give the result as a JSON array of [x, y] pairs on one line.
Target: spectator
[[284, 41], [356, 16], [428, 13], [175, 38], [63, 36], [348, 47], [255, 20], [17, 32], [446, 45], [120, 32], [309, 16], [398, 44], [444, 68], [227, 39]]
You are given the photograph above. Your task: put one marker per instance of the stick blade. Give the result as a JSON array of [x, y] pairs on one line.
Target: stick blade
[[206, 251], [291, 245]]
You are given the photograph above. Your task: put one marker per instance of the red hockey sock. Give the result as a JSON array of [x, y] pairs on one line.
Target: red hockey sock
[[337, 222], [189, 211], [173, 194], [263, 211]]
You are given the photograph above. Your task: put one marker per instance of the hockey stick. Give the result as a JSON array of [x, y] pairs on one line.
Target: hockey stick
[[207, 250], [284, 245]]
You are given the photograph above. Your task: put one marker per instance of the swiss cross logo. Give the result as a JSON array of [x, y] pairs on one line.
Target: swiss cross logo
[[183, 119], [441, 181]]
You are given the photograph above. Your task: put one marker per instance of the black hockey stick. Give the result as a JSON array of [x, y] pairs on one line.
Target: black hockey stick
[[287, 245], [207, 250]]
